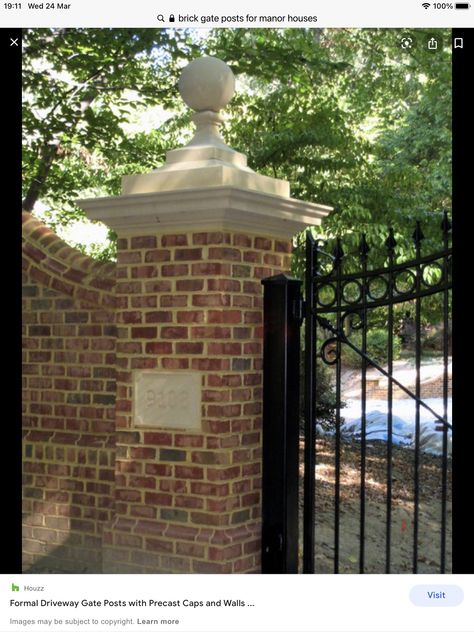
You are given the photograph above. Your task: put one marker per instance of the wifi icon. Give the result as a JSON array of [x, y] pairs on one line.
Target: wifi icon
[[426, 5]]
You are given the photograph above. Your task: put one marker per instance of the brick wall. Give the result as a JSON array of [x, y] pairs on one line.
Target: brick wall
[[68, 403], [101, 495], [190, 501]]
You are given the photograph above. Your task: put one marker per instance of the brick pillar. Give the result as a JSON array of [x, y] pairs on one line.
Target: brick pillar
[[195, 239], [189, 501]]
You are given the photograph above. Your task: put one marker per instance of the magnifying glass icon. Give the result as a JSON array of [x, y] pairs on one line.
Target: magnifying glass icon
[[160, 17]]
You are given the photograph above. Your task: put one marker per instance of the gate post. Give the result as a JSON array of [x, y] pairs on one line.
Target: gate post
[[281, 387], [195, 237]]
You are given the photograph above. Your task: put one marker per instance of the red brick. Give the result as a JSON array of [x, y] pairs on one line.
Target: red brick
[[191, 317], [157, 255], [211, 238], [128, 287], [147, 241], [226, 254], [223, 285], [144, 272], [176, 269], [174, 332], [142, 453], [223, 474], [174, 240], [157, 287], [129, 495], [144, 332], [143, 512], [261, 243], [160, 500], [159, 348], [134, 541], [210, 364], [215, 396], [130, 317], [216, 427], [242, 240], [283, 246], [210, 489], [225, 380], [190, 550], [158, 438], [210, 269], [210, 332], [158, 317], [158, 545], [188, 441], [262, 273], [189, 502], [173, 301], [129, 257], [272, 260], [224, 348], [129, 347], [157, 469], [252, 287], [252, 257], [241, 395], [211, 300], [226, 553], [175, 363], [188, 472], [180, 532], [190, 285], [188, 254], [189, 347], [209, 519], [229, 410], [253, 317], [231, 316]]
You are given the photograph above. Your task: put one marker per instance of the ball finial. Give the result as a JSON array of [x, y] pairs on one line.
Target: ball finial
[[207, 84]]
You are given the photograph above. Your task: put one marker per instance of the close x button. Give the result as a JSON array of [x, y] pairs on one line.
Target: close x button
[[436, 595]]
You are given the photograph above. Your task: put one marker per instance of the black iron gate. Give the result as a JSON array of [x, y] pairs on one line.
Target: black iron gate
[[342, 293]]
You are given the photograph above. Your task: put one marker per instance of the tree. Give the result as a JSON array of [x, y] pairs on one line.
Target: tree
[[80, 86], [346, 115]]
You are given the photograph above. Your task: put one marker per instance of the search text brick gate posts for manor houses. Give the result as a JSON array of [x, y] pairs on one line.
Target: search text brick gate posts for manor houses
[[169, 478]]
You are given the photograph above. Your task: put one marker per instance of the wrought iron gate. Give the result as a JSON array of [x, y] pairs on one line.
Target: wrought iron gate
[[342, 293]]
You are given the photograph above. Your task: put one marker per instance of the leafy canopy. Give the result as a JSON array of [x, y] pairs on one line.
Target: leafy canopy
[[346, 115]]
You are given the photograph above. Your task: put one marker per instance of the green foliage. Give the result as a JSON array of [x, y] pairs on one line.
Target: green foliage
[[80, 89], [377, 348], [346, 115], [326, 402]]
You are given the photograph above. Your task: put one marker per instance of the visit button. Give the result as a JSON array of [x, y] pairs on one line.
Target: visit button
[[436, 595]]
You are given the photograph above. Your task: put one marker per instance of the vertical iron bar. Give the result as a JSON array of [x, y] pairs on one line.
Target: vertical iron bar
[[390, 243], [337, 489], [281, 359], [418, 236], [309, 407], [444, 472], [363, 250]]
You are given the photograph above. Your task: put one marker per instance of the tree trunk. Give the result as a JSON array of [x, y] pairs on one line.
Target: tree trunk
[[48, 155]]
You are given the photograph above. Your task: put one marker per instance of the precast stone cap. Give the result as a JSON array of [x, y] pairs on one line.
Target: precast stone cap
[[207, 84]]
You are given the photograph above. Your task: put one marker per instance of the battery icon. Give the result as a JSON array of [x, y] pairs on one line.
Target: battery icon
[[462, 5]]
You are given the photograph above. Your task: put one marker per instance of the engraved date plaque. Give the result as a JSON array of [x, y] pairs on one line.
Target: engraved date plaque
[[167, 400]]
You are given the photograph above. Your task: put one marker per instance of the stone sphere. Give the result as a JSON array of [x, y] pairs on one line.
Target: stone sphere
[[207, 83]]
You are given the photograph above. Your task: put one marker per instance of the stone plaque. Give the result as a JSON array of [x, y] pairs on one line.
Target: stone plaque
[[167, 400]]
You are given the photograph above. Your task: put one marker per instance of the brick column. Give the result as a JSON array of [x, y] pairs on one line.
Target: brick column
[[190, 501], [195, 239]]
